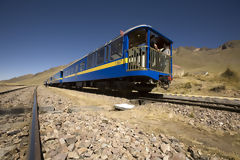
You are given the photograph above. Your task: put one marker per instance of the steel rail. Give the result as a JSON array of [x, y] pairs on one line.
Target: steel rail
[[12, 90], [207, 100], [35, 145], [204, 104]]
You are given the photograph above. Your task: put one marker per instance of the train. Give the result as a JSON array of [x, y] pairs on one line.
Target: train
[[138, 59]]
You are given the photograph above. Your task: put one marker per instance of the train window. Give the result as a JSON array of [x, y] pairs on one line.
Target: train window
[[137, 38], [107, 53], [116, 49], [72, 70], [100, 56], [91, 60], [82, 66], [76, 68], [158, 40]]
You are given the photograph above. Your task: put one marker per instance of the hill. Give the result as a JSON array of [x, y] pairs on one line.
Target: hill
[[216, 60], [33, 79], [18, 79]]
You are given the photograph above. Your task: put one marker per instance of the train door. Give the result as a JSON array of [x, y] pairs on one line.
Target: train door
[[137, 49]]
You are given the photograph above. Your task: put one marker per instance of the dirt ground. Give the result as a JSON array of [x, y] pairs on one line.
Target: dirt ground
[[210, 132]]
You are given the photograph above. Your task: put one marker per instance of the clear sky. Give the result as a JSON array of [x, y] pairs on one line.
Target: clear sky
[[39, 34]]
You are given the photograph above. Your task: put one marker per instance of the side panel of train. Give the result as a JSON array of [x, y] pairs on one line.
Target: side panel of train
[[117, 71]]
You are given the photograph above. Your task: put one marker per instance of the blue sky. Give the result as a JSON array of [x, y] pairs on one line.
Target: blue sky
[[37, 35]]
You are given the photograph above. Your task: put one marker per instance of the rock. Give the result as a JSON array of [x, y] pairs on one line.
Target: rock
[[178, 148], [71, 140], [165, 157], [192, 152], [49, 139], [62, 141], [155, 156], [46, 109], [214, 158], [60, 156], [104, 145], [73, 109], [13, 132], [81, 150], [178, 156], [154, 139], [71, 147], [104, 156], [6, 150], [73, 155], [85, 144], [165, 147], [191, 122], [105, 121], [52, 153], [23, 134], [88, 154]]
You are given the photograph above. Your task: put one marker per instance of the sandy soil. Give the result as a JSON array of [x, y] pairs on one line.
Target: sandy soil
[[212, 132]]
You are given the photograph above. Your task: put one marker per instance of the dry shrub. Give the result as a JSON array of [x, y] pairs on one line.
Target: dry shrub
[[187, 74], [187, 85], [218, 88], [230, 75]]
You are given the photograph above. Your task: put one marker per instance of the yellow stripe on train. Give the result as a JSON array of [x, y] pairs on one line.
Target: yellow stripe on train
[[104, 66]]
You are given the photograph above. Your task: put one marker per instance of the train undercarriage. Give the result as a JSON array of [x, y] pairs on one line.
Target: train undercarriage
[[140, 84]]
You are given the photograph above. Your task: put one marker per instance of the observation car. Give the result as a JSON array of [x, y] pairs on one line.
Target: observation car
[[135, 60]]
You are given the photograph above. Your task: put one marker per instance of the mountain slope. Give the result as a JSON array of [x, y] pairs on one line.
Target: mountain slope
[[209, 60]]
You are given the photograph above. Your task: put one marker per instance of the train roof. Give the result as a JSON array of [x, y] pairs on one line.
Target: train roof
[[148, 27]]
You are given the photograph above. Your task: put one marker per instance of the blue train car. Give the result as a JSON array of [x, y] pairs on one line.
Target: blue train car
[[48, 82], [139, 59], [57, 78]]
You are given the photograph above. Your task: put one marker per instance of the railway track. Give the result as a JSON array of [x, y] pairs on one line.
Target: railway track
[[19, 115], [8, 91], [35, 152], [232, 105]]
